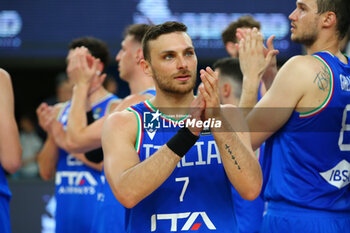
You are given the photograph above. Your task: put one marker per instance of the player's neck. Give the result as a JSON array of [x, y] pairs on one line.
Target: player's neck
[[230, 100], [171, 100], [324, 43], [96, 96], [139, 83]]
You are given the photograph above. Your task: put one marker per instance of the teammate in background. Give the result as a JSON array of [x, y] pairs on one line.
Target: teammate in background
[[230, 80], [249, 214], [76, 177], [304, 117], [10, 147], [110, 84], [64, 89], [82, 137], [229, 37], [145, 165]]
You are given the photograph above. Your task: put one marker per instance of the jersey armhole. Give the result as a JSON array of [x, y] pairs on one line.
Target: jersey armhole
[[109, 105], [139, 129], [62, 110], [330, 92]]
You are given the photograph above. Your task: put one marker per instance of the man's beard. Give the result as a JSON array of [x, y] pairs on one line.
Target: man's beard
[[309, 37], [167, 85], [306, 39]]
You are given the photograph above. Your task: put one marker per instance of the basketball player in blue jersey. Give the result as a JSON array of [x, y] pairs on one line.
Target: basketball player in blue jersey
[[81, 137], [76, 177], [306, 124], [146, 166], [230, 38], [249, 214], [10, 147]]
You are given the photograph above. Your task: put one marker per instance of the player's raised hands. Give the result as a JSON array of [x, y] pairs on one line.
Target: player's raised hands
[[210, 92], [82, 66], [45, 116], [196, 112], [254, 57]]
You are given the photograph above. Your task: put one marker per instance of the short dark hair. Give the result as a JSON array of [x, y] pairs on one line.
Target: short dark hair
[[136, 30], [96, 47], [229, 67], [157, 30], [341, 8], [229, 34]]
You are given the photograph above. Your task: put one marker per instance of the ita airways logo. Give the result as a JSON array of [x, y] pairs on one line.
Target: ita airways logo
[[339, 175], [75, 178], [151, 123], [194, 221]]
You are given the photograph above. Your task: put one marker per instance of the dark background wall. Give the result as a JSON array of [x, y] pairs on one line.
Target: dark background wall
[[34, 35]]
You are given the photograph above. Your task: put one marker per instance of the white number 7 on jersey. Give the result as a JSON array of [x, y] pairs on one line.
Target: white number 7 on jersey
[[187, 180]]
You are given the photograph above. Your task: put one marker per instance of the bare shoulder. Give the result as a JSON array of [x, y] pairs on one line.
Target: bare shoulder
[[57, 108], [121, 117], [4, 75], [296, 75], [302, 65], [131, 100], [307, 69], [6, 91], [5, 80], [124, 122], [115, 104]]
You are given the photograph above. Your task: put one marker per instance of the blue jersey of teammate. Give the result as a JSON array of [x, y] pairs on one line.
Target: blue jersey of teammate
[[196, 196], [5, 196], [76, 183], [110, 215], [311, 153], [4, 188], [249, 214]]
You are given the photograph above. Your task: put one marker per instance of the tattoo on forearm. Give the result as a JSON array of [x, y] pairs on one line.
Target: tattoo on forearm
[[227, 147], [322, 79]]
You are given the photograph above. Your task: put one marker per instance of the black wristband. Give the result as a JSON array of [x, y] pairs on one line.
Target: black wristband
[[95, 156], [182, 141]]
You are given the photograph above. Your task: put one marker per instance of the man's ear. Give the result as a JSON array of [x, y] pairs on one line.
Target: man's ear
[[226, 90], [231, 49], [328, 19], [146, 67], [139, 55]]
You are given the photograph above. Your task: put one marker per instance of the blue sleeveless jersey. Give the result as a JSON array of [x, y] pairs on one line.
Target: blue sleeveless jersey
[[110, 215], [150, 92], [4, 189], [249, 214], [5, 196], [197, 195], [310, 154], [76, 183]]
